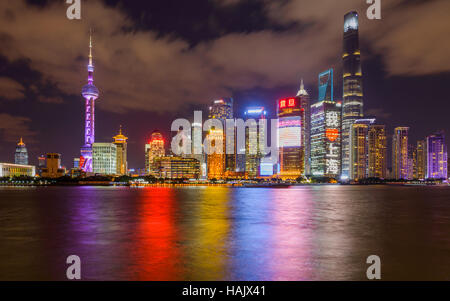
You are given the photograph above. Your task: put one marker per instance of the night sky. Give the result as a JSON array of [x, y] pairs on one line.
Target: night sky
[[160, 60]]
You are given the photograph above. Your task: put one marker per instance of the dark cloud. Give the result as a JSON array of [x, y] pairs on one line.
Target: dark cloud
[[10, 89]]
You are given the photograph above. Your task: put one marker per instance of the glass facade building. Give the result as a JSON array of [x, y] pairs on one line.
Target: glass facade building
[[437, 156], [253, 152], [352, 106], [104, 158], [326, 139]]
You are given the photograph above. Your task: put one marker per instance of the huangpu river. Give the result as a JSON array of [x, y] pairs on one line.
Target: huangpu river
[[221, 233]]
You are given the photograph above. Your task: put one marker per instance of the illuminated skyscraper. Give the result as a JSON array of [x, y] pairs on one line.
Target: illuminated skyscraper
[[303, 98], [104, 158], [326, 89], [437, 156], [400, 153], [377, 151], [359, 149], [154, 149], [215, 159], [222, 109], [21, 155], [368, 150], [121, 143], [90, 93], [253, 152], [352, 106], [421, 160], [326, 130], [326, 139], [291, 118]]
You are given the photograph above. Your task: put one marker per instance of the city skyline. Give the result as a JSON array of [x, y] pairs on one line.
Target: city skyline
[[138, 128]]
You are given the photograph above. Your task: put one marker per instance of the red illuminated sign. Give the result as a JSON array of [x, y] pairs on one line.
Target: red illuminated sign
[[291, 102], [282, 103], [332, 134]]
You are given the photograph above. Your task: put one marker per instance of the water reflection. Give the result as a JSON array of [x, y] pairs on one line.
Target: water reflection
[[156, 254], [218, 233]]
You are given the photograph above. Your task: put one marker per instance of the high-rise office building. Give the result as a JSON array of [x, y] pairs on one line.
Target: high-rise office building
[[304, 99], [21, 155], [377, 151], [400, 153], [359, 149], [104, 158], [326, 86], [437, 156], [222, 109], [291, 116], [352, 106], [326, 130], [368, 150], [253, 151], [90, 94], [120, 141], [421, 160], [154, 149], [215, 159]]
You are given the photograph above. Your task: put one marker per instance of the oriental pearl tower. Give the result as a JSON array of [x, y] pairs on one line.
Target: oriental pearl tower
[[90, 94]]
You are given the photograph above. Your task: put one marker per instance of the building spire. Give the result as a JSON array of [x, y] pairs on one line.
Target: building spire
[[90, 47], [21, 142], [302, 91]]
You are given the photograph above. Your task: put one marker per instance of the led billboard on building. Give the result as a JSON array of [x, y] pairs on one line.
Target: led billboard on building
[[289, 131]]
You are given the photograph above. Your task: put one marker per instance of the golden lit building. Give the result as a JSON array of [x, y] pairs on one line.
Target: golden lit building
[[367, 150], [377, 151], [154, 149], [215, 154], [359, 149], [421, 160], [121, 143], [176, 168], [400, 153]]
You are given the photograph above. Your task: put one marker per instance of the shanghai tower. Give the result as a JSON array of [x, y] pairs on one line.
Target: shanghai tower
[[352, 108], [90, 94]]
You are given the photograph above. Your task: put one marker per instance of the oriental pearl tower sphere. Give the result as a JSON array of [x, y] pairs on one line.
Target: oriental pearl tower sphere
[[90, 94]]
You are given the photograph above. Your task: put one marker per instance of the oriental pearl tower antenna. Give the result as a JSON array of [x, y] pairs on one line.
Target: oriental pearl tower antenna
[[90, 94]]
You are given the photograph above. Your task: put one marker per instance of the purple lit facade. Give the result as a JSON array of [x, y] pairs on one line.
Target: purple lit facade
[[90, 94], [437, 156]]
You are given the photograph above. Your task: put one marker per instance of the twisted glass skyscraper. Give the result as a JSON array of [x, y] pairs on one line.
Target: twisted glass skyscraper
[[352, 106]]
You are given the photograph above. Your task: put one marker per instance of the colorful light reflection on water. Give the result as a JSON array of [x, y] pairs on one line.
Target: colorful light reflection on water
[[219, 233]]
